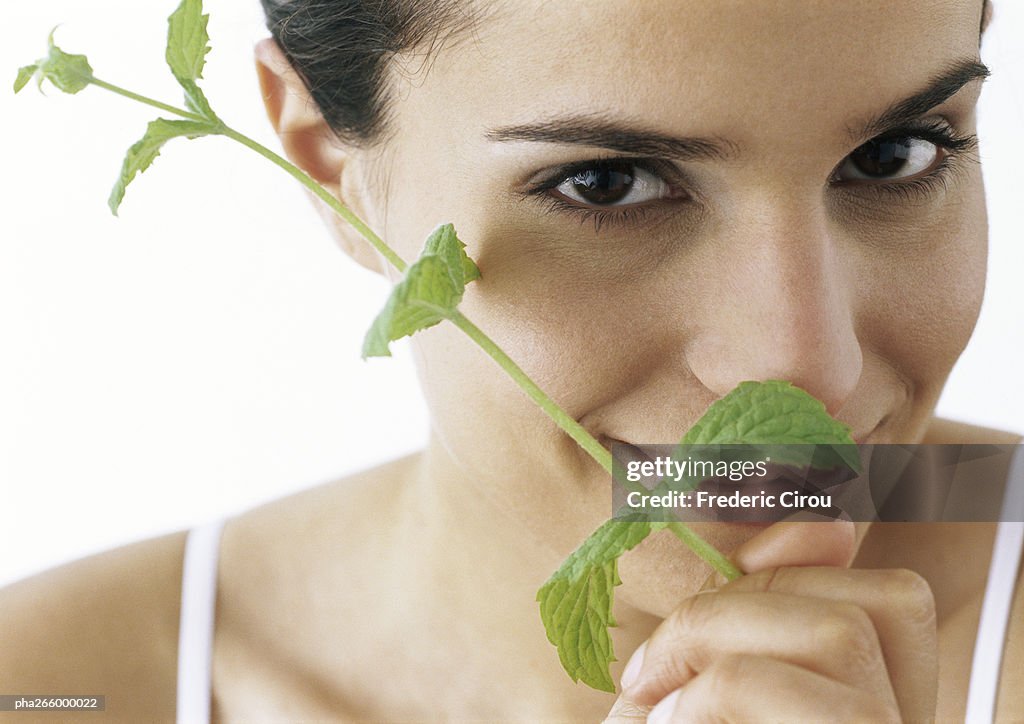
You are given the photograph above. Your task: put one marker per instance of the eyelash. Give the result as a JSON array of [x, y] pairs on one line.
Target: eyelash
[[613, 215], [952, 145]]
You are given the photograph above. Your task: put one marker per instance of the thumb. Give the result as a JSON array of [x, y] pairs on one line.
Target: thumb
[[803, 539]]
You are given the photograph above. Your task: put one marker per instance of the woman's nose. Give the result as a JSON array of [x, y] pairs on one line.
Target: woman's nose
[[780, 305]]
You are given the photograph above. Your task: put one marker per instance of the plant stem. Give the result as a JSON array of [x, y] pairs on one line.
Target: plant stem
[[148, 101], [296, 172], [323, 194], [705, 550], [575, 430]]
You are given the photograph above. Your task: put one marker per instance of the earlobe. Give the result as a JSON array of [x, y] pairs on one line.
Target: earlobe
[[311, 145]]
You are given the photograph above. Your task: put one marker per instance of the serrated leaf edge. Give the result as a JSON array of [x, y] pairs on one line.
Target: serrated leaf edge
[[134, 163], [441, 246]]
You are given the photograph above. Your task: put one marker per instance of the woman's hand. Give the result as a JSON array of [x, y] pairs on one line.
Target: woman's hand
[[818, 643]]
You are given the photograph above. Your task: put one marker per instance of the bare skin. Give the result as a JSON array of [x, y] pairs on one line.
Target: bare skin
[[296, 639], [407, 591]]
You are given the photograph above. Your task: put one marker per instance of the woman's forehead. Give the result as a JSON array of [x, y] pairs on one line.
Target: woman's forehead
[[706, 68]]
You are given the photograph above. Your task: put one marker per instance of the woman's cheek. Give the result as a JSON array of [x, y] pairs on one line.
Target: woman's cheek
[[565, 330], [503, 446], [921, 290]]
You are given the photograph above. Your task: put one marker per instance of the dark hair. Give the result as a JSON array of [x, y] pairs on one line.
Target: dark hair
[[342, 50]]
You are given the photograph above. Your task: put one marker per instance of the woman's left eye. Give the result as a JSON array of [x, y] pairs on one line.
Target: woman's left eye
[[611, 183], [891, 158]]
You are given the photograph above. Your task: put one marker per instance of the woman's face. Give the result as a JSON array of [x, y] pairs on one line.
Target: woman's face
[[666, 199]]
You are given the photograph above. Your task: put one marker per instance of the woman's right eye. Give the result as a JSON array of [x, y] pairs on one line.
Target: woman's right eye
[[611, 183]]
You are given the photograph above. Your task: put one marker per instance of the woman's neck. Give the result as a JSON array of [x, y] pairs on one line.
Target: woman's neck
[[473, 575]]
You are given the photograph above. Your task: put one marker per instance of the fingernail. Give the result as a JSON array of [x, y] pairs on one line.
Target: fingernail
[[633, 666], [662, 713]]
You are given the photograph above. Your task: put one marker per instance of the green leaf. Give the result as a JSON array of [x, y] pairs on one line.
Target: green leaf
[[429, 292], [195, 101], [25, 74], [444, 242], [70, 73], [576, 602], [187, 40], [772, 413], [67, 72], [187, 45], [759, 420], [145, 151]]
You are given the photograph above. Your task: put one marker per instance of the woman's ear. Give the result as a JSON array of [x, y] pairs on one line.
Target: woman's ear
[[311, 145]]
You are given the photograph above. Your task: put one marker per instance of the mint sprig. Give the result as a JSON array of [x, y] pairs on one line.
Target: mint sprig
[[187, 46], [576, 601]]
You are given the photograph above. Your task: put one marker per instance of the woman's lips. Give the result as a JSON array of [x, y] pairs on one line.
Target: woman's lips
[[779, 479], [859, 438], [627, 452]]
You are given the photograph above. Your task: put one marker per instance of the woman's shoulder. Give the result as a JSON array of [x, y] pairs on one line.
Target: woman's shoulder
[[102, 625], [942, 431], [108, 624], [326, 533]]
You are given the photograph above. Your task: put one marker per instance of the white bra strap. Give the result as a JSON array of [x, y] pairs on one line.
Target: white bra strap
[[995, 609], [195, 633]]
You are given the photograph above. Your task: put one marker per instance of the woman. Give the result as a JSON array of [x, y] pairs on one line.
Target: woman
[[663, 202]]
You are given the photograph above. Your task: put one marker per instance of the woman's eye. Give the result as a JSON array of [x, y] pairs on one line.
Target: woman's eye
[[612, 183], [884, 159]]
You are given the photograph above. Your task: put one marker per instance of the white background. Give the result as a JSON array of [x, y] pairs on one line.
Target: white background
[[200, 354]]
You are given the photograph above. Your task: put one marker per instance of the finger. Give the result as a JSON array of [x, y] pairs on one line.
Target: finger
[[898, 603], [801, 540], [750, 688], [901, 607], [810, 540], [626, 712], [832, 638]]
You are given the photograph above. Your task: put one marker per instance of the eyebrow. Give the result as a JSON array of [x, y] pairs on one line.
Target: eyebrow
[[941, 88], [600, 131]]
